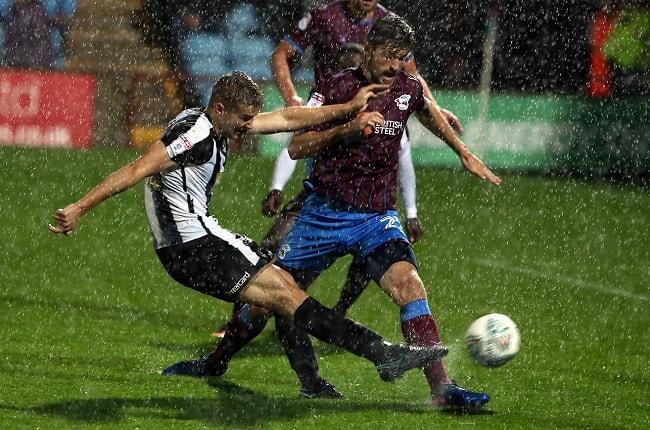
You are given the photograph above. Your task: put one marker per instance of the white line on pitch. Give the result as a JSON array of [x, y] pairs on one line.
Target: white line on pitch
[[578, 283]]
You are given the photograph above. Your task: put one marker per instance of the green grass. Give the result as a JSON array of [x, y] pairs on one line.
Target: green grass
[[87, 322]]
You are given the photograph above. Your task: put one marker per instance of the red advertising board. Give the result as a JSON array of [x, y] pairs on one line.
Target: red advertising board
[[46, 109]]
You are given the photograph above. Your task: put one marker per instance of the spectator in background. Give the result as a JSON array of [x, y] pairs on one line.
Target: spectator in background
[[165, 24], [43, 44], [628, 50]]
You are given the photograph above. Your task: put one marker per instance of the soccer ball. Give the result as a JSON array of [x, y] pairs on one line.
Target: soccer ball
[[492, 340]]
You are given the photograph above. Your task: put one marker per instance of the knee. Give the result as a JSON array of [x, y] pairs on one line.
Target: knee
[[407, 287], [411, 289]]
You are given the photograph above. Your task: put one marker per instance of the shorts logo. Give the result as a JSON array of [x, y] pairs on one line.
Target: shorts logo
[[282, 252], [403, 101], [239, 283], [391, 221]]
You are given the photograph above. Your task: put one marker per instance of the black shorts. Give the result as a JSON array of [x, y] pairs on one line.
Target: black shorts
[[217, 266]]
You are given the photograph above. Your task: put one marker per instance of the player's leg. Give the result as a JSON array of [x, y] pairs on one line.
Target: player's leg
[[244, 326], [228, 266], [221, 331], [394, 266], [356, 282], [273, 238], [302, 358], [275, 290], [283, 222]]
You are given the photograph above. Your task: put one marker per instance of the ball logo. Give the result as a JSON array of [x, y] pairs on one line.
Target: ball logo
[[403, 101]]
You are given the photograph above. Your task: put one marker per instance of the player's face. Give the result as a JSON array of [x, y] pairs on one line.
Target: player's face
[[384, 62], [364, 6], [236, 122]]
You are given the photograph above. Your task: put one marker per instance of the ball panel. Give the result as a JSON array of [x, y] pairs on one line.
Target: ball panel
[[492, 340]]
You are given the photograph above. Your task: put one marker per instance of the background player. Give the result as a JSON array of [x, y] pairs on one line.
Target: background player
[[197, 252]]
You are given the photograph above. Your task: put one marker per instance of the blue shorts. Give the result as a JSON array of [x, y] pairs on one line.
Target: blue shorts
[[327, 230]]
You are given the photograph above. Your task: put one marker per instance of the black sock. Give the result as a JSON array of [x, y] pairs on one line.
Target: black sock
[[299, 350], [328, 326], [356, 282]]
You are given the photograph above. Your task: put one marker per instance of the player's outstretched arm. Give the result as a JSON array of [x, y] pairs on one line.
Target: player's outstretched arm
[[297, 118], [452, 120], [433, 120], [309, 144], [280, 58], [154, 160]]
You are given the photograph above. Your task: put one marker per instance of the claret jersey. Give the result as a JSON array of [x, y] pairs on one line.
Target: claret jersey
[[327, 29], [363, 171]]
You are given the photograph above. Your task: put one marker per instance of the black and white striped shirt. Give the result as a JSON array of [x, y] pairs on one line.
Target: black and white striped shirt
[[176, 201]]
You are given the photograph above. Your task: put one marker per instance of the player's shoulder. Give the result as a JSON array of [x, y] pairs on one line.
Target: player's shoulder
[[349, 76], [339, 86], [194, 121], [381, 11], [410, 81], [190, 117]]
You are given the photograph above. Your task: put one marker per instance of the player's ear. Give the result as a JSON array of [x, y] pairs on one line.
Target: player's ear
[[217, 108]]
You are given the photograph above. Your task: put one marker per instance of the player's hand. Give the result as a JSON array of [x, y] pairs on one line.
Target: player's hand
[[294, 101], [361, 98], [476, 167], [272, 203], [413, 229], [453, 121], [364, 122], [66, 219]]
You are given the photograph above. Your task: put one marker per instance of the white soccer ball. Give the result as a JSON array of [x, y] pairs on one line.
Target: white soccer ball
[[492, 340]]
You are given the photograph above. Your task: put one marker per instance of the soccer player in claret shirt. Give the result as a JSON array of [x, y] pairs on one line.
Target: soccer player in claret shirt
[[180, 171], [351, 203], [351, 207], [328, 29]]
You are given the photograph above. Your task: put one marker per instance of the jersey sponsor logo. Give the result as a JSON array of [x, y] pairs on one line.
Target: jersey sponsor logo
[[239, 283], [282, 252], [389, 128], [391, 221], [403, 101], [316, 100], [304, 22]]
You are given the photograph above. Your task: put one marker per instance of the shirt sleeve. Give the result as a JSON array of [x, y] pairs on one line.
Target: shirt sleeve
[[417, 101], [327, 94], [305, 32], [284, 168], [182, 139], [406, 174]]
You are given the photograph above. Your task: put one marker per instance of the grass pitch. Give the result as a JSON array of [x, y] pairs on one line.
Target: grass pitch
[[87, 322]]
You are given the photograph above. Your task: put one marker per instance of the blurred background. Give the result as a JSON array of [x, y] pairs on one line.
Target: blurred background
[[556, 86]]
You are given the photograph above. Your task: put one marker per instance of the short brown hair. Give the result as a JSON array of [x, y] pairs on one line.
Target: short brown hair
[[393, 31], [236, 89]]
